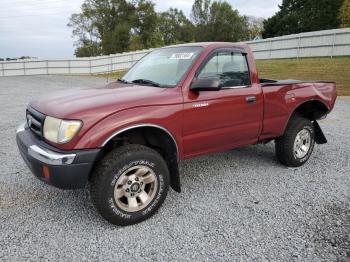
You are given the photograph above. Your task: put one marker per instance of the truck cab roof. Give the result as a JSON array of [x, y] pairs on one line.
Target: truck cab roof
[[213, 45]]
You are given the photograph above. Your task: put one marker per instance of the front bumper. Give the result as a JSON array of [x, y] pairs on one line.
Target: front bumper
[[62, 169]]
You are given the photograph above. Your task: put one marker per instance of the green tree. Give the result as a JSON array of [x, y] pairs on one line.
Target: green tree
[[255, 27], [200, 16], [225, 23], [103, 26], [114, 26], [114, 20], [174, 27], [345, 14], [85, 49], [296, 16], [87, 43], [218, 21], [146, 24]]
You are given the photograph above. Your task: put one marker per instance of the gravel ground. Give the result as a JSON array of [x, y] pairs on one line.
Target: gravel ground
[[236, 205]]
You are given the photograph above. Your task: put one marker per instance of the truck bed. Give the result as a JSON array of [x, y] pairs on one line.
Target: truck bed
[[282, 97]]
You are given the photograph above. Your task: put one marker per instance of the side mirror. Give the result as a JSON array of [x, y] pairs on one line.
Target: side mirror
[[211, 83]]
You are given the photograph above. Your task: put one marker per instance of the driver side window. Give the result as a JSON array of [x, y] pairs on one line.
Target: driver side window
[[231, 67]]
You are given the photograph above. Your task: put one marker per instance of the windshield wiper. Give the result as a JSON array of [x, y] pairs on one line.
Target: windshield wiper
[[122, 81], [146, 82]]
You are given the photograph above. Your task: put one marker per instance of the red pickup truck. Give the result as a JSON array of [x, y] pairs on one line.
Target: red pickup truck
[[177, 102]]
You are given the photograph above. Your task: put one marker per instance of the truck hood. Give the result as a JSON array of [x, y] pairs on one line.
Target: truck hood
[[100, 102]]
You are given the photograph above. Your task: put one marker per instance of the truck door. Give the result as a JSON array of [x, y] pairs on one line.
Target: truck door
[[219, 120]]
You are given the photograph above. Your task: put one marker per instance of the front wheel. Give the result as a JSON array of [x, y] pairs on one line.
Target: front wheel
[[129, 184], [294, 148]]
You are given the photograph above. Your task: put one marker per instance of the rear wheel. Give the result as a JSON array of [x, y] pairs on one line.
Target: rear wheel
[[130, 184], [294, 148]]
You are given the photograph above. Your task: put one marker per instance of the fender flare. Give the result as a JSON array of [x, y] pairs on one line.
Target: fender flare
[[173, 167], [298, 105]]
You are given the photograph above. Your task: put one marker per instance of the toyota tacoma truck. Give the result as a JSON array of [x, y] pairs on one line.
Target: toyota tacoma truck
[[126, 139]]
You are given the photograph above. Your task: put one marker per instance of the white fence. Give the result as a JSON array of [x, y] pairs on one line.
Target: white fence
[[327, 43], [88, 65]]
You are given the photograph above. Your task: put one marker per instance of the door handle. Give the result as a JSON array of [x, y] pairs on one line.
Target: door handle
[[250, 99]]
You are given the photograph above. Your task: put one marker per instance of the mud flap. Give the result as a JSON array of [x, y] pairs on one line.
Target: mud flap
[[175, 178], [320, 138]]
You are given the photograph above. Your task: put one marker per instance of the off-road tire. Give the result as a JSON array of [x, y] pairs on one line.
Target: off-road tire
[[284, 145], [107, 173]]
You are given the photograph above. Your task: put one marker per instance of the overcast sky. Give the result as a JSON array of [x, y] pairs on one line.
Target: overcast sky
[[39, 27]]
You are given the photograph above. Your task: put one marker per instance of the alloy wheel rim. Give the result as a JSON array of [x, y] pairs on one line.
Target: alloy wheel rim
[[302, 143], [135, 188]]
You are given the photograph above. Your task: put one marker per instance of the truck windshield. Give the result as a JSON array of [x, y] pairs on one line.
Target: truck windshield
[[163, 67]]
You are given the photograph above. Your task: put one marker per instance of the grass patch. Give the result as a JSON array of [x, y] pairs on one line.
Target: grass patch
[[333, 69], [113, 75]]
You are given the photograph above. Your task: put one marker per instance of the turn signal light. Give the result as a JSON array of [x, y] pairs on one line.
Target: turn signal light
[[46, 172]]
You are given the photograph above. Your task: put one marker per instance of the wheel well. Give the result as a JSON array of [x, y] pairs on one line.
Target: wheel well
[[155, 138], [312, 110]]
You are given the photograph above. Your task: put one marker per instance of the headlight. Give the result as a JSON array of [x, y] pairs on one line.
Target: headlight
[[60, 131]]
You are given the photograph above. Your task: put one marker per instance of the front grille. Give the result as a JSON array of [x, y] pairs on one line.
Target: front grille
[[35, 121]]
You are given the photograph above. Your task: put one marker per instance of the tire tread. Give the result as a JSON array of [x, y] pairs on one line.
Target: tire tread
[[284, 145], [101, 172]]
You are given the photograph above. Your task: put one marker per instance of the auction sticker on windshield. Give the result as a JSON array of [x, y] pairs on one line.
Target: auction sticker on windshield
[[181, 56]]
